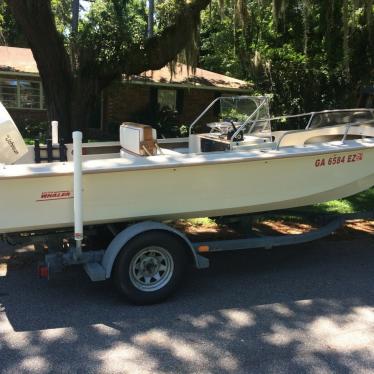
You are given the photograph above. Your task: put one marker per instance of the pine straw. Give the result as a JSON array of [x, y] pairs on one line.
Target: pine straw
[[206, 231], [353, 229]]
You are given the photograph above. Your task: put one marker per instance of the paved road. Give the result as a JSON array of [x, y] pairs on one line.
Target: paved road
[[307, 309]]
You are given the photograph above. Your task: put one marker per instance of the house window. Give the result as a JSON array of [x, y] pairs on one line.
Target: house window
[[21, 94], [167, 99], [30, 95], [8, 92]]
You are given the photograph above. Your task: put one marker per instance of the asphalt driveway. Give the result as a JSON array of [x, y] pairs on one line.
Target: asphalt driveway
[[304, 309]]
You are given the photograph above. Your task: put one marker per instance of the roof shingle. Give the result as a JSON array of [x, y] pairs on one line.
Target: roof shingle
[[22, 60], [183, 75]]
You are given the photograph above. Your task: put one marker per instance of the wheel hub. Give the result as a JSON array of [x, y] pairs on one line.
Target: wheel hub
[[151, 268]]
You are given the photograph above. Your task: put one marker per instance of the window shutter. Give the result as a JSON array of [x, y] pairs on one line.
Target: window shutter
[[180, 101], [153, 105]]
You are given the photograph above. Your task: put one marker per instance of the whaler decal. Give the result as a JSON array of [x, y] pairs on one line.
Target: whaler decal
[[55, 195], [339, 160], [9, 140]]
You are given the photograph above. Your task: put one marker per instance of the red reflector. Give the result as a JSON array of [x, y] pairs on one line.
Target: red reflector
[[43, 271]]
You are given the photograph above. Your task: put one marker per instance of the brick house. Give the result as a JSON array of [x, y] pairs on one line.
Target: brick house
[[143, 98]]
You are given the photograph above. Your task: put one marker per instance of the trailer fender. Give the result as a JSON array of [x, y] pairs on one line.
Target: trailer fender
[[130, 232]]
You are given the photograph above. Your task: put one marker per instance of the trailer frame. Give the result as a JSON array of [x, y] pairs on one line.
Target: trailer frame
[[98, 264]]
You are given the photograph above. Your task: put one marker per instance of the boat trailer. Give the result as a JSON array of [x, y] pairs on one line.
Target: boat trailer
[[98, 264]]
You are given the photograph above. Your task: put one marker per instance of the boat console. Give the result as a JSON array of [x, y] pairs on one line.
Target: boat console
[[242, 123]]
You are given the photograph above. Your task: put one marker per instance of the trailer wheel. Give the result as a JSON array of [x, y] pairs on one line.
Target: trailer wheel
[[150, 267]]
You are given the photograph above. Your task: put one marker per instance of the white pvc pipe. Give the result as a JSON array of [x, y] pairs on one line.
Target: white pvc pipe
[[54, 132], [78, 191]]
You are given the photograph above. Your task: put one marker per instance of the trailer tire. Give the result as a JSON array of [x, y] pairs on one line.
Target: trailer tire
[[150, 267]]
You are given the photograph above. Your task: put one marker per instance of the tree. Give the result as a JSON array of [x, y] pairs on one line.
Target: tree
[[310, 54], [75, 66], [10, 32]]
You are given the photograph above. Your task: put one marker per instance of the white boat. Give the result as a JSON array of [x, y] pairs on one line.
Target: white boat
[[233, 166]]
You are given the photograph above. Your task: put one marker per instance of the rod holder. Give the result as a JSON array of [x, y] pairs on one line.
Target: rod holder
[[78, 192], [54, 127]]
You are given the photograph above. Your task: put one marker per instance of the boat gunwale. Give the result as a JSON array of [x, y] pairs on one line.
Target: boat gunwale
[[236, 157]]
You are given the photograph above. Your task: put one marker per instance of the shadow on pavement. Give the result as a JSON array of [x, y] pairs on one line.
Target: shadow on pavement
[[302, 309]]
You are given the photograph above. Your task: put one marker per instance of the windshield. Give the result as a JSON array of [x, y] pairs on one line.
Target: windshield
[[231, 114]]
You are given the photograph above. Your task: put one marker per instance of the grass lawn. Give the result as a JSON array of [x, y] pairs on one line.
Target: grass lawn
[[361, 202]]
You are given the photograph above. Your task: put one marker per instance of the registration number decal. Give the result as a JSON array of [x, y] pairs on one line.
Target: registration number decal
[[338, 160], [55, 195]]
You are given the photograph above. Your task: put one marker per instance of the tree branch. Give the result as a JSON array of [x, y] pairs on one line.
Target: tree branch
[[161, 49]]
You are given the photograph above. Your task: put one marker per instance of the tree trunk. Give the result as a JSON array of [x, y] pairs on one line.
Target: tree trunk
[[75, 16], [84, 97], [151, 14], [58, 102]]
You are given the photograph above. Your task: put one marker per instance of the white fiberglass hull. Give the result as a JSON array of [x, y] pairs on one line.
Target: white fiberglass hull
[[34, 197]]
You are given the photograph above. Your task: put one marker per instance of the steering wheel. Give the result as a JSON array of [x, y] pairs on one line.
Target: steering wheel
[[220, 127], [223, 127]]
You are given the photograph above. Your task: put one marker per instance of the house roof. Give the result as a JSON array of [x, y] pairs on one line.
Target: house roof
[[17, 60], [21, 60], [184, 76]]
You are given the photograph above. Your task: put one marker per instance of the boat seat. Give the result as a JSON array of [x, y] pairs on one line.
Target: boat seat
[[322, 134], [138, 139]]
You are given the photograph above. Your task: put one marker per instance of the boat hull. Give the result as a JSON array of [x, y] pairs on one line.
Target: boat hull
[[207, 189]]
